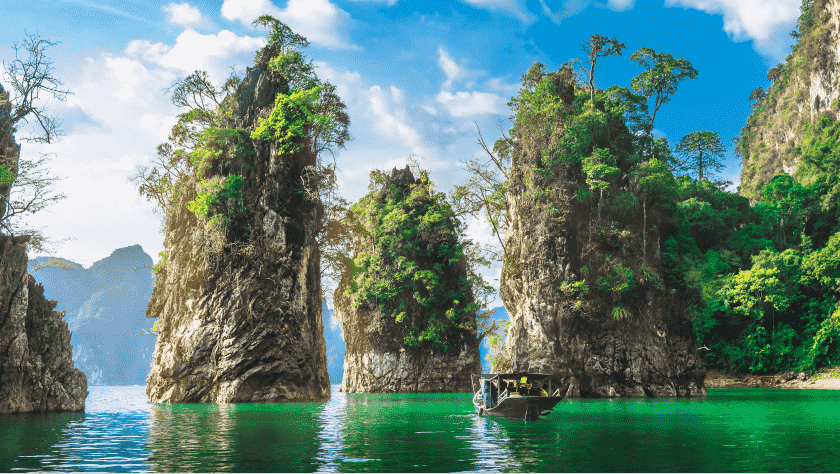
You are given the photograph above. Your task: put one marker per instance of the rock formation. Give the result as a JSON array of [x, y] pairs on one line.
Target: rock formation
[[105, 308], [36, 365], [241, 321], [804, 87], [416, 339], [583, 278]]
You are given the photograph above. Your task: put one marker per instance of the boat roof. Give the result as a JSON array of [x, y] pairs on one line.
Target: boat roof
[[516, 375]]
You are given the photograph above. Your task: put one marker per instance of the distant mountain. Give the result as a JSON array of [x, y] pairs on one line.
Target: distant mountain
[[106, 313], [335, 345], [500, 315]]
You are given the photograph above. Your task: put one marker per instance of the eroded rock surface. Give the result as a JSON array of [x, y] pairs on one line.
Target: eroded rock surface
[[621, 331], [804, 87], [36, 364], [244, 324]]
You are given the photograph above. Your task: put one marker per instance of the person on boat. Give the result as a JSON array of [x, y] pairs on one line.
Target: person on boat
[[494, 394], [485, 391], [523, 386]]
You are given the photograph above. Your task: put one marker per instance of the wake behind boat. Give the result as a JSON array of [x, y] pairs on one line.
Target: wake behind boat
[[519, 395]]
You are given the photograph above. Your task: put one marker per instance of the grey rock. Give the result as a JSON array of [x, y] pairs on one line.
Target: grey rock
[[650, 351], [36, 366], [243, 324]]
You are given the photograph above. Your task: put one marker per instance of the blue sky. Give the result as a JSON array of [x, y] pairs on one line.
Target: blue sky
[[416, 76]]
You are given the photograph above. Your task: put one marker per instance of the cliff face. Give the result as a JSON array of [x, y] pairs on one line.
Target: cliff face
[[410, 339], [804, 87], [243, 323], [583, 281], [36, 365], [105, 308]]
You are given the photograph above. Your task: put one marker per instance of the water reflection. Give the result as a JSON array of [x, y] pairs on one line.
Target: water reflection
[[731, 431], [490, 442], [187, 437], [332, 419]]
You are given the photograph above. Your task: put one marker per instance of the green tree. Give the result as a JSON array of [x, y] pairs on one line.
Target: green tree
[[782, 205], [701, 153], [598, 47], [661, 77], [654, 180]]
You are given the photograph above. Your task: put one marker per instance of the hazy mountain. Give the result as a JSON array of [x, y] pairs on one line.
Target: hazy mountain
[[106, 314]]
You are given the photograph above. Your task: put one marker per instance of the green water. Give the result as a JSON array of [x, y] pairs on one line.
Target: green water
[[731, 430]]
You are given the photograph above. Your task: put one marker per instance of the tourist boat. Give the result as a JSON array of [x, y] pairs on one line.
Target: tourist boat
[[520, 395]]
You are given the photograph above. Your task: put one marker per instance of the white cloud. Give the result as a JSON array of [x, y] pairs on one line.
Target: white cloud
[[390, 3], [453, 71], [320, 21], [570, 8], [194, 51], [759, 20], [465, 104], [621, 5], [515, 8], [186, 15]]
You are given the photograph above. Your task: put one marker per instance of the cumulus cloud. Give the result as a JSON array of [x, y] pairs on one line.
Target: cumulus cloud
[[186, 15], [514, 8], [194, 51], [466, 104], [761, 21], [320, 21]]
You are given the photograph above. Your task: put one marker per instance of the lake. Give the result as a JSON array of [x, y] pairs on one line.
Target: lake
[[731, 430]]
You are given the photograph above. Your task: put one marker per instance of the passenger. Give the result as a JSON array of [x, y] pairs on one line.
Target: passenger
[[543, 392], [523, 387], [511, 388], [494, 394]]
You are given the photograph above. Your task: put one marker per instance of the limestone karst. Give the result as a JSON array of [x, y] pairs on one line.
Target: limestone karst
[[36, 365], [239, 296], [406, 308], [583, 279]]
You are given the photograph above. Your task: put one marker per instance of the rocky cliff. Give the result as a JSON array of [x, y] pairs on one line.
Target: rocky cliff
[[36, 365], [406, 308], [240, 308], [105, 308], [803, 88], [583, 281]]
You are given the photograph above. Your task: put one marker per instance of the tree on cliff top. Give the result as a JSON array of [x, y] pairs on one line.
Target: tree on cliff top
[[25, 188], [701, 152], [598, 47]]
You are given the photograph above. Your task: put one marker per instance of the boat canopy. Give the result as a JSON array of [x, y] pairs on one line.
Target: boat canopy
[[516, 375]]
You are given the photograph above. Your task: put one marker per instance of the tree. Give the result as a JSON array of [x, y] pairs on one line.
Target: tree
[[599, 47], [701, 152], [654, 178], [24, 186], [660, 79], [485, 193]]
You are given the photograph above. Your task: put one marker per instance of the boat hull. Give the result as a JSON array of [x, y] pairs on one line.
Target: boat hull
[[523, 407]]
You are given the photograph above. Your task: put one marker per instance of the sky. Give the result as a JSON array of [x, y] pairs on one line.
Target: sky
[[418, 77]]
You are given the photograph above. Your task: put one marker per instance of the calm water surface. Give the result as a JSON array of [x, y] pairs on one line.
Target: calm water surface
[[731, 430]]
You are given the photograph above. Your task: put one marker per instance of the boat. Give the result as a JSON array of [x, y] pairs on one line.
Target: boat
[[521, 395]]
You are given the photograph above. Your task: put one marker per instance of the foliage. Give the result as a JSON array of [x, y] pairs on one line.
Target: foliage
[[161, 265], [409, 264], [701, 152]]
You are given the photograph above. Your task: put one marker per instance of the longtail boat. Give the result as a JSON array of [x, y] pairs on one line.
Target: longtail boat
[[522, 395]]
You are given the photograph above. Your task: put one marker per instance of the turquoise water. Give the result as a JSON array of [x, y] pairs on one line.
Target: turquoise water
[[731, 430]]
